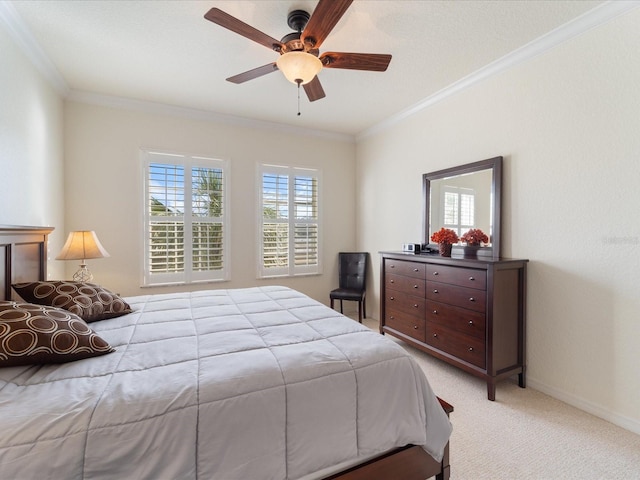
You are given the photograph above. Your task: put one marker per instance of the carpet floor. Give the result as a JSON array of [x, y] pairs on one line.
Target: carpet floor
[[525, 434]]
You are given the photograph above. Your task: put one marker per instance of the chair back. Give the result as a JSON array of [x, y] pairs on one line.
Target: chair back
[[352, 270]]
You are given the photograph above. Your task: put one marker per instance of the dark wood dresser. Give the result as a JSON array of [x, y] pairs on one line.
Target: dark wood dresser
[[467, 312]]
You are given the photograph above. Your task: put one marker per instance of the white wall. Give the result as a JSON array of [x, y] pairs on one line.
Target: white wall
[[103, 178], [568, 124], [31, 155]]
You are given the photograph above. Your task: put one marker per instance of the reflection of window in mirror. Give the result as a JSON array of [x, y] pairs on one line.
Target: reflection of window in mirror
[[459, 208]]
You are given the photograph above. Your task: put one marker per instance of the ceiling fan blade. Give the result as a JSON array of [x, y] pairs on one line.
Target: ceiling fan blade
[[376, 62], [229, 22], [314, 89], [255, 73], [325, 16]]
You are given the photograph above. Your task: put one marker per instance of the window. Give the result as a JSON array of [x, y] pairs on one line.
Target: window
[[290, 226], [185, 221], [459, 209]]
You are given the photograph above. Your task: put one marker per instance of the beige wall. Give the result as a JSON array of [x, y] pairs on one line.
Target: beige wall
[[568, 125], [103, 178], [31, 155]]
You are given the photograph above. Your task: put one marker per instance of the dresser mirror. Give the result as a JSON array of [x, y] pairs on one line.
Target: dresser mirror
[[464, 197]]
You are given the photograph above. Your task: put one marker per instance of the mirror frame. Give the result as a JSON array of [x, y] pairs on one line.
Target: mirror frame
[[495, 165]]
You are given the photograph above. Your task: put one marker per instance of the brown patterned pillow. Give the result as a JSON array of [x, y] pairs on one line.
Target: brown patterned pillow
[[37, 334], [89, 301]]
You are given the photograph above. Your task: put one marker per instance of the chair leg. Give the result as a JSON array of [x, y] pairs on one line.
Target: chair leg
[[332, 304], [341, 306], [360, 312], [364, 308]]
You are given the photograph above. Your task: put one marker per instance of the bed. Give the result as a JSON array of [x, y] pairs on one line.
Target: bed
[[248, 383]]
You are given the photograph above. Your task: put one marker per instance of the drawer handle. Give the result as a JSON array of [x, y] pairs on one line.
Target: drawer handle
[[435, 335], [392, 281], [435, 312], [471, 349], [435, 273], [415, 305], [391, 298], [471, 279], [415, 286], [471, 322], [472, 299], [415, 327], [415, 270], [435, 290], [392, 266], [391, 317]]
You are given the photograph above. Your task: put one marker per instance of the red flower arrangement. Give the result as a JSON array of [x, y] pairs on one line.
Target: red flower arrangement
[[474, 237], [445, 235]]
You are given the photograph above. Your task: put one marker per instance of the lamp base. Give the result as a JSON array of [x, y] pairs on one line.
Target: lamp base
[[83, 274]]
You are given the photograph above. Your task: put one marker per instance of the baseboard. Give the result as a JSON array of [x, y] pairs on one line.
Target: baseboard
[[627, 423]]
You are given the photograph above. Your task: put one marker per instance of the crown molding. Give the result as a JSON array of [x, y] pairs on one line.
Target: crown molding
[[593, 18], [196, 114], [30, 47]]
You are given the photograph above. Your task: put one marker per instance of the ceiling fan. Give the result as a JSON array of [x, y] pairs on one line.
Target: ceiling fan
[[300, 58]]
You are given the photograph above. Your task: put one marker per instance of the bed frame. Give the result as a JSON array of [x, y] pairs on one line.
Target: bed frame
[[23, 258]]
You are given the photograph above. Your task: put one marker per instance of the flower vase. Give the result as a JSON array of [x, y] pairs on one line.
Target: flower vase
[[445, 249], [471, 251]]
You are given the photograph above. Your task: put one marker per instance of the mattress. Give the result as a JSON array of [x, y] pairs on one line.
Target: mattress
[[256, 383]]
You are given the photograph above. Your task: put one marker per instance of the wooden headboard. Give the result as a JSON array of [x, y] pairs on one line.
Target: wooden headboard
[[23, 256]]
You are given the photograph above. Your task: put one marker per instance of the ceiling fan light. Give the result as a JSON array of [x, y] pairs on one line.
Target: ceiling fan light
[[299, 67]]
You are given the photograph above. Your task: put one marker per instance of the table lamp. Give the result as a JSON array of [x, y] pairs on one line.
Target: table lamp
[[81, 245]]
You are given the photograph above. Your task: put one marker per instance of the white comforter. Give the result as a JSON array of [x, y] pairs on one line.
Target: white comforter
[[258, 383]]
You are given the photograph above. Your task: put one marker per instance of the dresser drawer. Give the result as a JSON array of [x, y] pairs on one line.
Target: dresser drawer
[[459, 319], [458, 296], [410, 285], [403, 267], [465, 347], [405, 303], [465, 277], [411, 325]]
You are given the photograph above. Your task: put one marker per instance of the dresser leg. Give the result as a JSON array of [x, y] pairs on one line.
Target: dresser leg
[[491, 390], [522, 382]]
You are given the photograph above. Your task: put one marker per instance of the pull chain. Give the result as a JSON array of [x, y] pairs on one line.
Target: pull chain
[[298, 82]]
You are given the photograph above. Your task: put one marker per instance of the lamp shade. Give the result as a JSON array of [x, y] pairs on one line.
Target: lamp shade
[[81, 245], [299, 67]]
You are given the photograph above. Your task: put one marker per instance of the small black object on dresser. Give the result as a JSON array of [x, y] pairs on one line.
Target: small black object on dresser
[[467, 312]]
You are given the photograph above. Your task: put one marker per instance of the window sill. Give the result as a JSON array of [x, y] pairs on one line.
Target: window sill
[[183, 284], [271, 277]]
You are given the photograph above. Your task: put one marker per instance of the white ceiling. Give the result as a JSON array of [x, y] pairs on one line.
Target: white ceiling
[[166, 52]]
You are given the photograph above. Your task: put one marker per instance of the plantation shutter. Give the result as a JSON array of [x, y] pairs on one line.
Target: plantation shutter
[[459, 209], [185, 232], [306, 222], [275, 224], [290, 225]]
